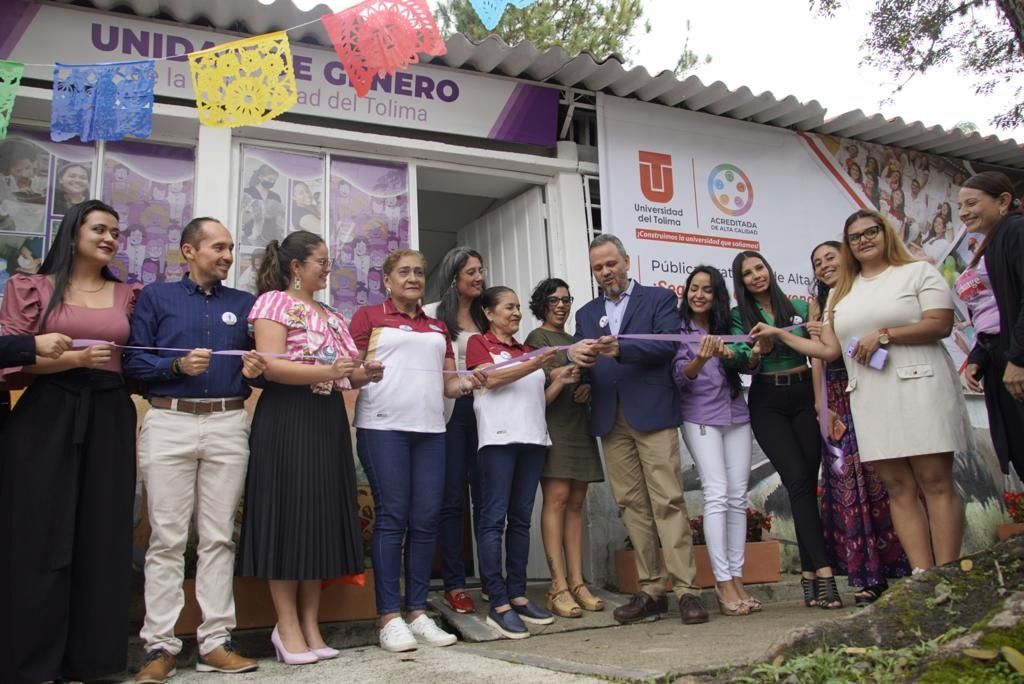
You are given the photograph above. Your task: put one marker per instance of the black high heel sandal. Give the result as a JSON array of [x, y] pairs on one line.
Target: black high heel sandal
[[868, 595], [810, 587], [828, 593]]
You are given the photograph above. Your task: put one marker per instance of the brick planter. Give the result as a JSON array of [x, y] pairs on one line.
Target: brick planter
[[1007, 530], [762, 563]]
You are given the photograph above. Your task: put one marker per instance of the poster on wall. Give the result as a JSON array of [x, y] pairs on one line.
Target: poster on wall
[[39, 179], [369, 219], [684, 189], [151, 187], [281, 192]]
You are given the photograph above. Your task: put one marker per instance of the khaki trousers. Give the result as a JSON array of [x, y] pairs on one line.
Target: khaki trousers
[[192, 463], [645, 478]]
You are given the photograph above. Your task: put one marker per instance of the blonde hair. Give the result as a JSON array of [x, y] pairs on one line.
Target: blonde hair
[[894, 254], [392, 259]]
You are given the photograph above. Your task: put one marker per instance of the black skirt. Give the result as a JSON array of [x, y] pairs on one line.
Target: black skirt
[[300, 519]]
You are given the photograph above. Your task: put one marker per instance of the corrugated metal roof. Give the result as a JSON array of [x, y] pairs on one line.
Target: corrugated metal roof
[[609, 75]]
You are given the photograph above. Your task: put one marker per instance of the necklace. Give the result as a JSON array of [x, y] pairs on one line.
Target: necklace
[[82, 289]]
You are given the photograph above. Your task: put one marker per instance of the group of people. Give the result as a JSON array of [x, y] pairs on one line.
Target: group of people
[[450, 400]]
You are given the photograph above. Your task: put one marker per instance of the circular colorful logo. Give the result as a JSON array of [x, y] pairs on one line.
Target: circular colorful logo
[[730, 189]]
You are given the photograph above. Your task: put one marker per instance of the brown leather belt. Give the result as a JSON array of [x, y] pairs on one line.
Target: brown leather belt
[[784, 379], [197, 407]]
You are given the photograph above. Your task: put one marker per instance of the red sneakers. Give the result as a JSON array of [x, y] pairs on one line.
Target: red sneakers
[[459, 601]]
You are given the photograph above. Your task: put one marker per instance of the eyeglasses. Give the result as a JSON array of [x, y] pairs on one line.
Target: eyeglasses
[[868, 233], [322, 263], [555, 301]]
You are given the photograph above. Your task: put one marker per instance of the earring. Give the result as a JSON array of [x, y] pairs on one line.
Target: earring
[[298, 283], [388, 291]]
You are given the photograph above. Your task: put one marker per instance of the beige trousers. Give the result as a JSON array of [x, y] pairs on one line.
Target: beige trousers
[[191, 463], [645, 478]]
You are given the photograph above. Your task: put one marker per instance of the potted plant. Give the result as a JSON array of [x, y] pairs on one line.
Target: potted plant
[[1015, 508], [762, 562]]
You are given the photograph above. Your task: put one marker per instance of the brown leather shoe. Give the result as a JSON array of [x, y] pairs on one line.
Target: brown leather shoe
[[641, 608], [225, 659], [691, 610], [158, 668]]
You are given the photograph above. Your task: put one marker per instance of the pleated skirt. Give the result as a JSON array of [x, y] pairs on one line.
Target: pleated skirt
[[300, 519]]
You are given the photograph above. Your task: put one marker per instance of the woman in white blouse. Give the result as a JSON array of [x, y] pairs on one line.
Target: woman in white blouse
[[909, 410]]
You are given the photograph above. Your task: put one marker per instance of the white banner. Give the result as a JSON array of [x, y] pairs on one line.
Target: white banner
[[682, 189]]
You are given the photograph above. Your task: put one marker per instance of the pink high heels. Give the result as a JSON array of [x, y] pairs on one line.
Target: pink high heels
[[288, 658], [325, 653]]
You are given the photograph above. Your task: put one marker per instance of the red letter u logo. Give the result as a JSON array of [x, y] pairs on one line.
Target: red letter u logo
[[656, 176]]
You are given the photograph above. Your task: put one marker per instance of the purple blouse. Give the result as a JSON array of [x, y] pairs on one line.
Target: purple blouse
[[707, 399]]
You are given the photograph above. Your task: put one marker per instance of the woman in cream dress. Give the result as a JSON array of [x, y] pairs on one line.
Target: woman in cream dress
[[910, 412]]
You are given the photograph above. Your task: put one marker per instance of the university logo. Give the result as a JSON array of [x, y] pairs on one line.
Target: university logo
[[656, 176], [730, 189]]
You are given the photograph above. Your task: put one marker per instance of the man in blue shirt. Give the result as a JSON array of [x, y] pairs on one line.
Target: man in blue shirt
[[193, 445]]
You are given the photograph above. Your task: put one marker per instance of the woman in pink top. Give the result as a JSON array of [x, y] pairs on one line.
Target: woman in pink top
[[300, 524], [68, 481]]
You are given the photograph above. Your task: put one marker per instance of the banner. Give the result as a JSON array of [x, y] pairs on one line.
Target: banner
[[423, 98], [681, 189]]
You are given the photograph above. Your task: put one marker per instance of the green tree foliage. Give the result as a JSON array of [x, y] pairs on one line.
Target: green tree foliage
[[984, 39], [600, 27]]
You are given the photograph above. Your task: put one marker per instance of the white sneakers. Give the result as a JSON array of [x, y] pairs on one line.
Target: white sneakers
[[398, 636], [425, 630]]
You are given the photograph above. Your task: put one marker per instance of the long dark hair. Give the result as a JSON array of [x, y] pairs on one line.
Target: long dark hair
[[276, 270], [539, 298], [994, 184], [819, 289], [719, 320], [782, 308], [487, 300], [61, 256], [448, 274]]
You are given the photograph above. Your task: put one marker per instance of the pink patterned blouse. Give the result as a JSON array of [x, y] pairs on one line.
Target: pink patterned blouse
[[308, 334]]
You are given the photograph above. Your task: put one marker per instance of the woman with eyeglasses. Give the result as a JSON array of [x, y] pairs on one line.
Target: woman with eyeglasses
[[782, 415], [908, 407], [461, 275], [993, 289], [300, 524], [859, 533], [400, 439], [572, 462]]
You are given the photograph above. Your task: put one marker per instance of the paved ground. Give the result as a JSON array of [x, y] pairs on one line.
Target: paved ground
[[665, 650]]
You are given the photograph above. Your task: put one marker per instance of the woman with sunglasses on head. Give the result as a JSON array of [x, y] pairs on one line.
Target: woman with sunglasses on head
[[400, 436], [859, 533], [993, 289], [461, 274], [782, 415], [68, 481], [300, 523], [716, 429], [908, 408], [572, 462]]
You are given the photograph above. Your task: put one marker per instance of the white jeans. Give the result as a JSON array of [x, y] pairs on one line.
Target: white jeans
[[722, 455], [191, 462]]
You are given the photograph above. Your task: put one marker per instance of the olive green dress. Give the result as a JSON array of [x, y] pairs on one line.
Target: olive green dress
[[573, 451]]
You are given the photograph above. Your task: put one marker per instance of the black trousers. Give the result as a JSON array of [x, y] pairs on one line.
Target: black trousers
[[65, 529], [786, 427], [1005, 414]]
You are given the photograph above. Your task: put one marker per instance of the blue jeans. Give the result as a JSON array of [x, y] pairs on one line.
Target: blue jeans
[[509, 476], [460, 462], [406, 474]]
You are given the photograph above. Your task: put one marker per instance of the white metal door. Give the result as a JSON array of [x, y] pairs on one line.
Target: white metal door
[[512, 240]]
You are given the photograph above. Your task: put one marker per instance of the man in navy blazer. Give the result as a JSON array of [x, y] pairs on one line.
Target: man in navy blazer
[[635, 412]]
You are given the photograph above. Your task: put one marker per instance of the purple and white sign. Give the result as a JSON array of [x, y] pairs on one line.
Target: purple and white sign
[[422, 97]]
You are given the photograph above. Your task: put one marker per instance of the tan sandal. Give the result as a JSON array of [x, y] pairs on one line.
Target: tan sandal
[[586, 600], [562, 605]]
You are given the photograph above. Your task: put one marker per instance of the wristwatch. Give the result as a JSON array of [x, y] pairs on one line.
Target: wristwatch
[[176, 367], [883, 337]]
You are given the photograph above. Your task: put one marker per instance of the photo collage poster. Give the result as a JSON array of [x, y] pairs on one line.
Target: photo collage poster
[[152, 188], [369, 219], [280, 193], [39, 179]]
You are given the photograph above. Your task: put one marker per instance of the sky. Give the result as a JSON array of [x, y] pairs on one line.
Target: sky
[[783, 47]]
